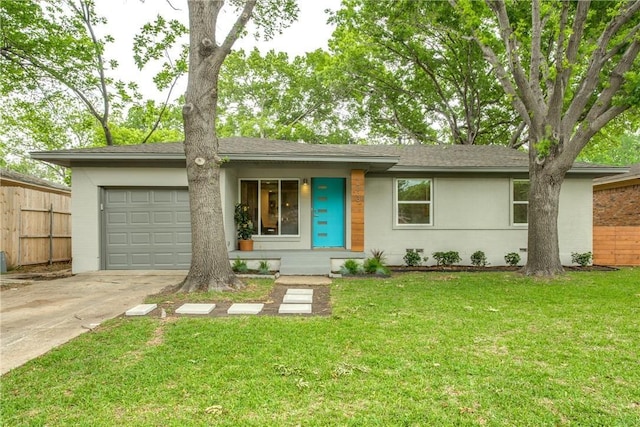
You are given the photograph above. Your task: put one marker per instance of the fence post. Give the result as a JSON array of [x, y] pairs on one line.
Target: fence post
[[19, 260], [51, 234]]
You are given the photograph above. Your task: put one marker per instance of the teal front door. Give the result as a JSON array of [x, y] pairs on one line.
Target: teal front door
[[328, 212]]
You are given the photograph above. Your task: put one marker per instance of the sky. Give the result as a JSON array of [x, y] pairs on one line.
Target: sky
[[126, 17]]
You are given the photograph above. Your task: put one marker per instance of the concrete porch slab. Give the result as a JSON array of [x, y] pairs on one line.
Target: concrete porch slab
[[294, 309], [141, 309], [195, 308], [245, 308], [303, 280], [297, 299], [294, 291]]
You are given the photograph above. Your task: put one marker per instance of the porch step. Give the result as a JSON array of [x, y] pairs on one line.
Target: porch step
[[305, 264]]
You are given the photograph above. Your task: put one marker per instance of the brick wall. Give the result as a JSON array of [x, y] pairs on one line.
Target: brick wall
[[617, 206], [616, 226]]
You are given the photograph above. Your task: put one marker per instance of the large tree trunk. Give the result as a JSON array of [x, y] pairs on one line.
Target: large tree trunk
[[210, 268], [543, 253]]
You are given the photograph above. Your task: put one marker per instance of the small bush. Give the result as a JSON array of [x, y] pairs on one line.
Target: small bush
[[582, 259], [512, 258], [351, 266], [479, 259], [240, 266], [374, 266], [378, 254], [446, 258], [412, 258], [264, 267]]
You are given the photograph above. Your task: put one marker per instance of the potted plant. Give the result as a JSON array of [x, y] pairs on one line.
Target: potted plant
[[244, 227]]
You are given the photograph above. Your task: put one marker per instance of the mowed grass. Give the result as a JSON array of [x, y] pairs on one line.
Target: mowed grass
[[415, 349]]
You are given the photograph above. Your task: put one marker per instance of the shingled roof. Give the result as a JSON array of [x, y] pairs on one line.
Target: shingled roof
[[11, 178], [620, 180], [384, 157]]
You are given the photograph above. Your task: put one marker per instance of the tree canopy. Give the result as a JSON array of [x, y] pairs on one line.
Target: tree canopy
[[416, 78], [273, 96]]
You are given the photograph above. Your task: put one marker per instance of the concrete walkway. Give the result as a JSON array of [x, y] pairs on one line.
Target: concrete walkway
[[41, 316]]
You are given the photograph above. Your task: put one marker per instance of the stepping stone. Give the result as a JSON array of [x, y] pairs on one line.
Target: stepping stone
[[294, 309], [292, 291], [195, 309], [141, 310], [297, 299], [245, 308]]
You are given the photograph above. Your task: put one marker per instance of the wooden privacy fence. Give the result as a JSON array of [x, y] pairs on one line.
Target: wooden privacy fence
[[616, 245], [35, 226], [45, 236]]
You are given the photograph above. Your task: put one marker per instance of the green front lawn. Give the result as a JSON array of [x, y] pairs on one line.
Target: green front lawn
[[414, 349]]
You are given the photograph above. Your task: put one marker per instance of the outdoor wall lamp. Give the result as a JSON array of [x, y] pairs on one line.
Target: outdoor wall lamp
[[305, 182]]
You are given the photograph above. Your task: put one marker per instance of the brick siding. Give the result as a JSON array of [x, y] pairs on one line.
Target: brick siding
[[618, 207], [616, 226]]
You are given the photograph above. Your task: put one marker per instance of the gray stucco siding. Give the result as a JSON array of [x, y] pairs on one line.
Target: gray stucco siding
[[470, 214]]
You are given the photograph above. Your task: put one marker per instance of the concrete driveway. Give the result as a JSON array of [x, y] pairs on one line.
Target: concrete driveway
[[38, 317]]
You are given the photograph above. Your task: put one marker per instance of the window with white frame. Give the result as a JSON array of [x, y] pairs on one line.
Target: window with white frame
[[519, 201], [413, 201], [273, 205]]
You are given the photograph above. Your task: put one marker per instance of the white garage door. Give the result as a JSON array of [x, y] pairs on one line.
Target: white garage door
[[147, 229]]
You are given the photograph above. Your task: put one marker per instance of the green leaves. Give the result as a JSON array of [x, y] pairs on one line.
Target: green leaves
[[416, 76], [272, 96], [154, 42]]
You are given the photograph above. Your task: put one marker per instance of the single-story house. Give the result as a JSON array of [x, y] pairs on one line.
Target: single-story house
[[616, 218], [36, 220], [131, 208]]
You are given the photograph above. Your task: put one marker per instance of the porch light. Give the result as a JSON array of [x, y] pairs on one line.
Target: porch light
[[305, 182]]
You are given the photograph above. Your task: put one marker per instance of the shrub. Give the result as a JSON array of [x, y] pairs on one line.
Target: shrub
[[244, 225], [446, 258], [264, 267], [240, 266], [374, 266], [512, 258], [582, 259], [378, 254], [350, 266], [479, 259], [412, 258]]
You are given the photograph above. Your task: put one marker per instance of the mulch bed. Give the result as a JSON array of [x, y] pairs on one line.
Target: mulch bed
[[473, 269]]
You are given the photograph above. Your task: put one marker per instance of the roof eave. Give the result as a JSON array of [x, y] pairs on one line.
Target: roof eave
[[460, 169], [66, 159]]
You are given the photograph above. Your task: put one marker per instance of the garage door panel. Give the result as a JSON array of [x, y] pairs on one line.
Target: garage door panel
[[184, 258], [140, 196], [140, 238], [140, 218], [183, 217], [183, 197], [116, 197], [183, 238], [164, 218], [160, 196], [163, 238], [117, 239], [147, 229], [141, 260], [116, 218], [118, 261]]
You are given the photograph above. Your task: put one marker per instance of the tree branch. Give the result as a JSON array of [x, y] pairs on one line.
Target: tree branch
[[597, 61], [238, 26], [85, 14], [164, 108], [535, 109]]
